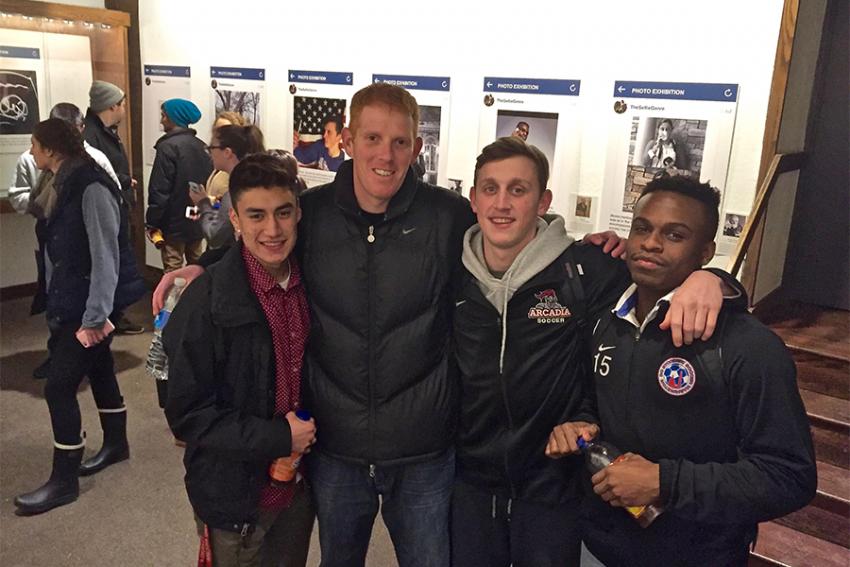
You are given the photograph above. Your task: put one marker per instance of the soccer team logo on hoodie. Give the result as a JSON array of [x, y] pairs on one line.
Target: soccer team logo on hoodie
[[548, 310], [676, 376]]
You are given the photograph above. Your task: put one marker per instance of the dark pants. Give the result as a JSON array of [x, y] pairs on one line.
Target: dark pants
[[493, 531], [280, 538], [414, 502], [70, 362]]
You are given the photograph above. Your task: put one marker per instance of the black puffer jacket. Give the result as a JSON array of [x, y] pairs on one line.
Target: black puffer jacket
[[378, 370], [180, 158]]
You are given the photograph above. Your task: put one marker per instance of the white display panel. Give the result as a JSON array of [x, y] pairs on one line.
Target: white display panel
[[434, 96], [161, 83], [316, 97], [239, 89], [37, 70], [658, 129], [543, 112]]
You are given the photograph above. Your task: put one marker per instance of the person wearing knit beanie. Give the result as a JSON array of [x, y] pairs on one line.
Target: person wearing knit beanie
[[103, 95], [181, 112]]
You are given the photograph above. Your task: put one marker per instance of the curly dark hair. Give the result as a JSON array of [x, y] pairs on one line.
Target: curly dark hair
[[61, 137]]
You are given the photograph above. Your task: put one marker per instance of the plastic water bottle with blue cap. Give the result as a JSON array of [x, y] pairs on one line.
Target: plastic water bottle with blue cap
[[157, 362]]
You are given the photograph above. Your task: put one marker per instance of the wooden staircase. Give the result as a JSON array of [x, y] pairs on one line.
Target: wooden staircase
[[819, 534]]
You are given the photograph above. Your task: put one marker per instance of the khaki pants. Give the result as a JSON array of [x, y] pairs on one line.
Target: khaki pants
[[279, 538], [173, 252]]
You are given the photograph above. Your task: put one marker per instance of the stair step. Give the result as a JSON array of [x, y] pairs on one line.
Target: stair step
[[823, 375], [780, 545], [809, 328], [827, 410], [833, 489]]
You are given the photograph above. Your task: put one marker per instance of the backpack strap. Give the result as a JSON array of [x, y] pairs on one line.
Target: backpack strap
[[573, 289]]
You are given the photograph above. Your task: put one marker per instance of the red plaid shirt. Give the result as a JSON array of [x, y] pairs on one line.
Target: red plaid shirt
[[289, 322]]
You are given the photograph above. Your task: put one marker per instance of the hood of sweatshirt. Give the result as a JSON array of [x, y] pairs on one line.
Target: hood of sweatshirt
[[550, 242]]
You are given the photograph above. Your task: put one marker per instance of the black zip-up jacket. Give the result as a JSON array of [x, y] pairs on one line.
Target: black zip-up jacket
[[733, 445], [221, 394], [107, 140], [506, 417], [378, 373], [180, 158]]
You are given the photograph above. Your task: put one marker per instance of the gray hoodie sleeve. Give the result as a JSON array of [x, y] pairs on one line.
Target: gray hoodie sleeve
[[102, 220], [23, 182], [215, 223]]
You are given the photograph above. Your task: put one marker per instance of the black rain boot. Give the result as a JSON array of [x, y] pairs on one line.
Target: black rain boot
[[115, 448], [62, 488]]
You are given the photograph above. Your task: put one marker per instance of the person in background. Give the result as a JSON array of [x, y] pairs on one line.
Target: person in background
[[714, 433], [216, 185], [31, 192], [180, 158], [107, 109], [90, 272], [235, 346], [229, 145]]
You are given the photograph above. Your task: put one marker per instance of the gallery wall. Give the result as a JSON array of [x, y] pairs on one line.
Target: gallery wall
[[598, 43]]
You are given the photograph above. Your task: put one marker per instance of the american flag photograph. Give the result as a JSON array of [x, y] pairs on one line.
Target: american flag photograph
[[309, 111]]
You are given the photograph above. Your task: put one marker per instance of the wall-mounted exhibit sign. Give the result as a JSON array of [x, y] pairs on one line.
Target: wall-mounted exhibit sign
[[239, 89], [543, 112], [659, 129], [319, 113], [161, 83], [433, 96], [37, 70]]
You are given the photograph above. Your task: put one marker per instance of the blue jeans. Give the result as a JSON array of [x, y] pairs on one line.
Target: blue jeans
[[415, 504]]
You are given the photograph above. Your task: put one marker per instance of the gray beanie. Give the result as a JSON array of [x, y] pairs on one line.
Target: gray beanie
[[102, 95]]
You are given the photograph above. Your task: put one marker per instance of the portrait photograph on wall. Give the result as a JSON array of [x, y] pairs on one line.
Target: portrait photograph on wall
[[18, 102], [661, 146], [537, 128], [317, 132], [426, 164]]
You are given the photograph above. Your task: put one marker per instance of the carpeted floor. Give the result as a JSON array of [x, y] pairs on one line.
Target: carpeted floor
[[132, 514]]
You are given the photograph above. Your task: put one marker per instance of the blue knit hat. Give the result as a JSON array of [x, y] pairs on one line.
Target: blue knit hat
[[181, 111]]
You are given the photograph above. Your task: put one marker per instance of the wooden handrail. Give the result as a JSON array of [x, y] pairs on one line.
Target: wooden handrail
[[781, 163], [65, 12]]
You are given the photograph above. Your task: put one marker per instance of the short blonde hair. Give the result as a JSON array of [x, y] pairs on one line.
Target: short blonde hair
[[385, 94], [234, 118]]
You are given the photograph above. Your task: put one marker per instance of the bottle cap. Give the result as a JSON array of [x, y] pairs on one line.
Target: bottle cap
[[303, 415], [582, 444], [179, 282]]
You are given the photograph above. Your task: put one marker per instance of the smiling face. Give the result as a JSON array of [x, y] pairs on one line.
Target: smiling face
[[507, 199], [267, 219], [668, 240], [521, 131], [382, 142]]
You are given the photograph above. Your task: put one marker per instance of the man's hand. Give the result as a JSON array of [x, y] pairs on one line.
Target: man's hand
[[197, 196], [188, 273], [694, 308], [303, 433], [610, 242], [133, 183], [89, 337], [562, 440], [632, 481]]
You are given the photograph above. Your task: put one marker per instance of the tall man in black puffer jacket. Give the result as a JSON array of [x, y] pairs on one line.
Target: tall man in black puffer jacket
[[181, 157]]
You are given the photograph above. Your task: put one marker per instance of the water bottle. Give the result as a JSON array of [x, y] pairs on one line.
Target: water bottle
[[283, 469], [597, 456], [157, 362]]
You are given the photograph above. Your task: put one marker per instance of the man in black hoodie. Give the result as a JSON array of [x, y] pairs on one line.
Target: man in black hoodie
[[181, 158]]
